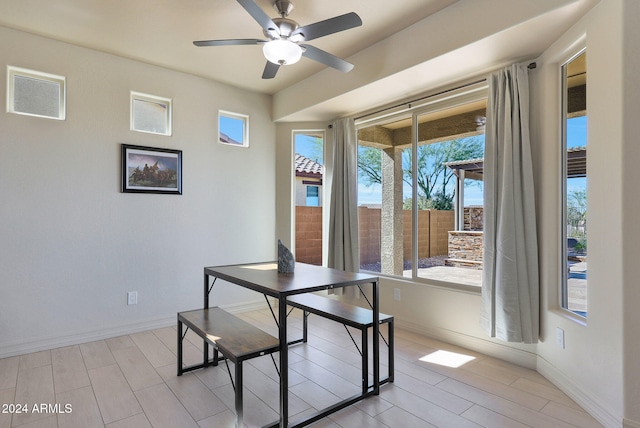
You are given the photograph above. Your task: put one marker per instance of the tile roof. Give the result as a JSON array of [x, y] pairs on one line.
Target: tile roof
[[307, 167]]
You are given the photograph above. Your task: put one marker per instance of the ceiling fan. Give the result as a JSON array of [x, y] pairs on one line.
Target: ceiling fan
[[284, 44]]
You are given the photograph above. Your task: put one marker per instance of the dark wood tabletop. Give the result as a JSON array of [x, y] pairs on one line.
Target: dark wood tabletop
[[264, 278]]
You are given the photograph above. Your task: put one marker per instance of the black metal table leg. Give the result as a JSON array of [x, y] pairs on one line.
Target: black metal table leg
[[239, 411], [376, 339], [179, 348], [284, 362], [365, 360]]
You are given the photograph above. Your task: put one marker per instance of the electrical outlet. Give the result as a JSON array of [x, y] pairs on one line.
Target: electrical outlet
[[132, 298], [560, 337], [396, 294]]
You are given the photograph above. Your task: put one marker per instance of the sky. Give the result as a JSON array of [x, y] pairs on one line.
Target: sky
[[576, 137], [232, 127]]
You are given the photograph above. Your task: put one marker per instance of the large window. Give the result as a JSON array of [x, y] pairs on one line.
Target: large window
[[420, 190], [574, 187]]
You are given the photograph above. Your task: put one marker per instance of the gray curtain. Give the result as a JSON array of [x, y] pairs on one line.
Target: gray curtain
[[344, 251], [510, 285]]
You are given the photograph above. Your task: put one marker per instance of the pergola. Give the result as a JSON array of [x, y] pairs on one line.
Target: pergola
[[473, 169]]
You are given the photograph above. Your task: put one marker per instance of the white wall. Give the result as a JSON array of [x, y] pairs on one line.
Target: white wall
[[72, 245], [630, 210], [590, 368]]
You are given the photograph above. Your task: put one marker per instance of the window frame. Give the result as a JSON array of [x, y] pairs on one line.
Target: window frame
[[465, 94], [244, 118], [13, 71], [563, 291], [323, 190], [151, 99]]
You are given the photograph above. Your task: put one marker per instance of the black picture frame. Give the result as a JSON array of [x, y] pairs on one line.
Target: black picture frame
[[151, 170]]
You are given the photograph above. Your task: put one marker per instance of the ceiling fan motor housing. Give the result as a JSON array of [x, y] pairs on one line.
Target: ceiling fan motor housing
[[286, 26]]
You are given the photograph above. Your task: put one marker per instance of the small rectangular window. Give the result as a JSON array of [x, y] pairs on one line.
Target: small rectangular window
[[150, 113], [233, 129], [34, 93], [313, 199]]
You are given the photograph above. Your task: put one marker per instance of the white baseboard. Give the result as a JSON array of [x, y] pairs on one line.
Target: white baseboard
[[48, 342], [588, 403], [487, 347]]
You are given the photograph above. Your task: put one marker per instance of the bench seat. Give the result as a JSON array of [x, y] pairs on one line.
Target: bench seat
[[236, 339], [349, 315]]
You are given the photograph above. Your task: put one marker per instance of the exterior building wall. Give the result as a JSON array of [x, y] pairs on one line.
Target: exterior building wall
[[301, 191]]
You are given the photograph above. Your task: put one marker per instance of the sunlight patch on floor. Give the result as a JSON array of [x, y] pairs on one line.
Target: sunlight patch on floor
[[448, 359]]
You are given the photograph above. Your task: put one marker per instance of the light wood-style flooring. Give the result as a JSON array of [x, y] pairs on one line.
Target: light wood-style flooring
[[131, 381]]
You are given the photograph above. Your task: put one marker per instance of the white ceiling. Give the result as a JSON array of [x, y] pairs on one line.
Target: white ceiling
[[161, 32]]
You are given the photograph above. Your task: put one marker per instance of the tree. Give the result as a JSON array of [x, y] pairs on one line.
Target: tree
[[577, 212], [433, 176]]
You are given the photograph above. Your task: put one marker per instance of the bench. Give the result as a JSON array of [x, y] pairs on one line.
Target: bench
[[348, 315], [234, 338]]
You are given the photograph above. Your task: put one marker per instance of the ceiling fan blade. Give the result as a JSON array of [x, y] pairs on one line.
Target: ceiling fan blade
[[326, 58], [229, 42], [329, 26], [259, 15], [270, 70]]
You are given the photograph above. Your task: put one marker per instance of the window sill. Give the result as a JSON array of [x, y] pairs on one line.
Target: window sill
[[434, 281]]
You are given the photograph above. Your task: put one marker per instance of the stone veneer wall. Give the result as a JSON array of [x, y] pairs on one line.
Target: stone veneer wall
[[473, 218], [465, 249]]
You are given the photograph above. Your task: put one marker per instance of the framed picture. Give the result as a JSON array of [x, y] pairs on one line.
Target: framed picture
[[233, 128], [151, 170]]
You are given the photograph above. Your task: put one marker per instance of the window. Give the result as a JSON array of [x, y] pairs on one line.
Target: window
[[309, 176], [150, 114], [420, 189], [574, 186], [312, 196], [233, 129], [33, 93]]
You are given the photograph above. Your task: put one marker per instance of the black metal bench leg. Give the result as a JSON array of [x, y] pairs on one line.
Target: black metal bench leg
[[305, 324], [205, 353], [179, 348], [239, 415], [365, 360]]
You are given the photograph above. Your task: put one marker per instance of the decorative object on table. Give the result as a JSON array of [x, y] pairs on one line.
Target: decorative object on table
[[151, 170], [286, 261]]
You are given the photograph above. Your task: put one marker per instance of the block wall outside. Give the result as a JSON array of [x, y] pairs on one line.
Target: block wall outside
[[369, 229], [441, 223], [433, 234], [424, 234], [309, 235]]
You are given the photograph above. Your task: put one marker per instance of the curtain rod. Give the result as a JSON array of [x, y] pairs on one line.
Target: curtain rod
[[530, 66], [419, 99]]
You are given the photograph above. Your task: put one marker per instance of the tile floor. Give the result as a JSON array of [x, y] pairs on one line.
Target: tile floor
[[131, 381]]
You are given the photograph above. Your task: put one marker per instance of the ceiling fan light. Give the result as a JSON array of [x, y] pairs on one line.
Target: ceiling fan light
[[282, 52]]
